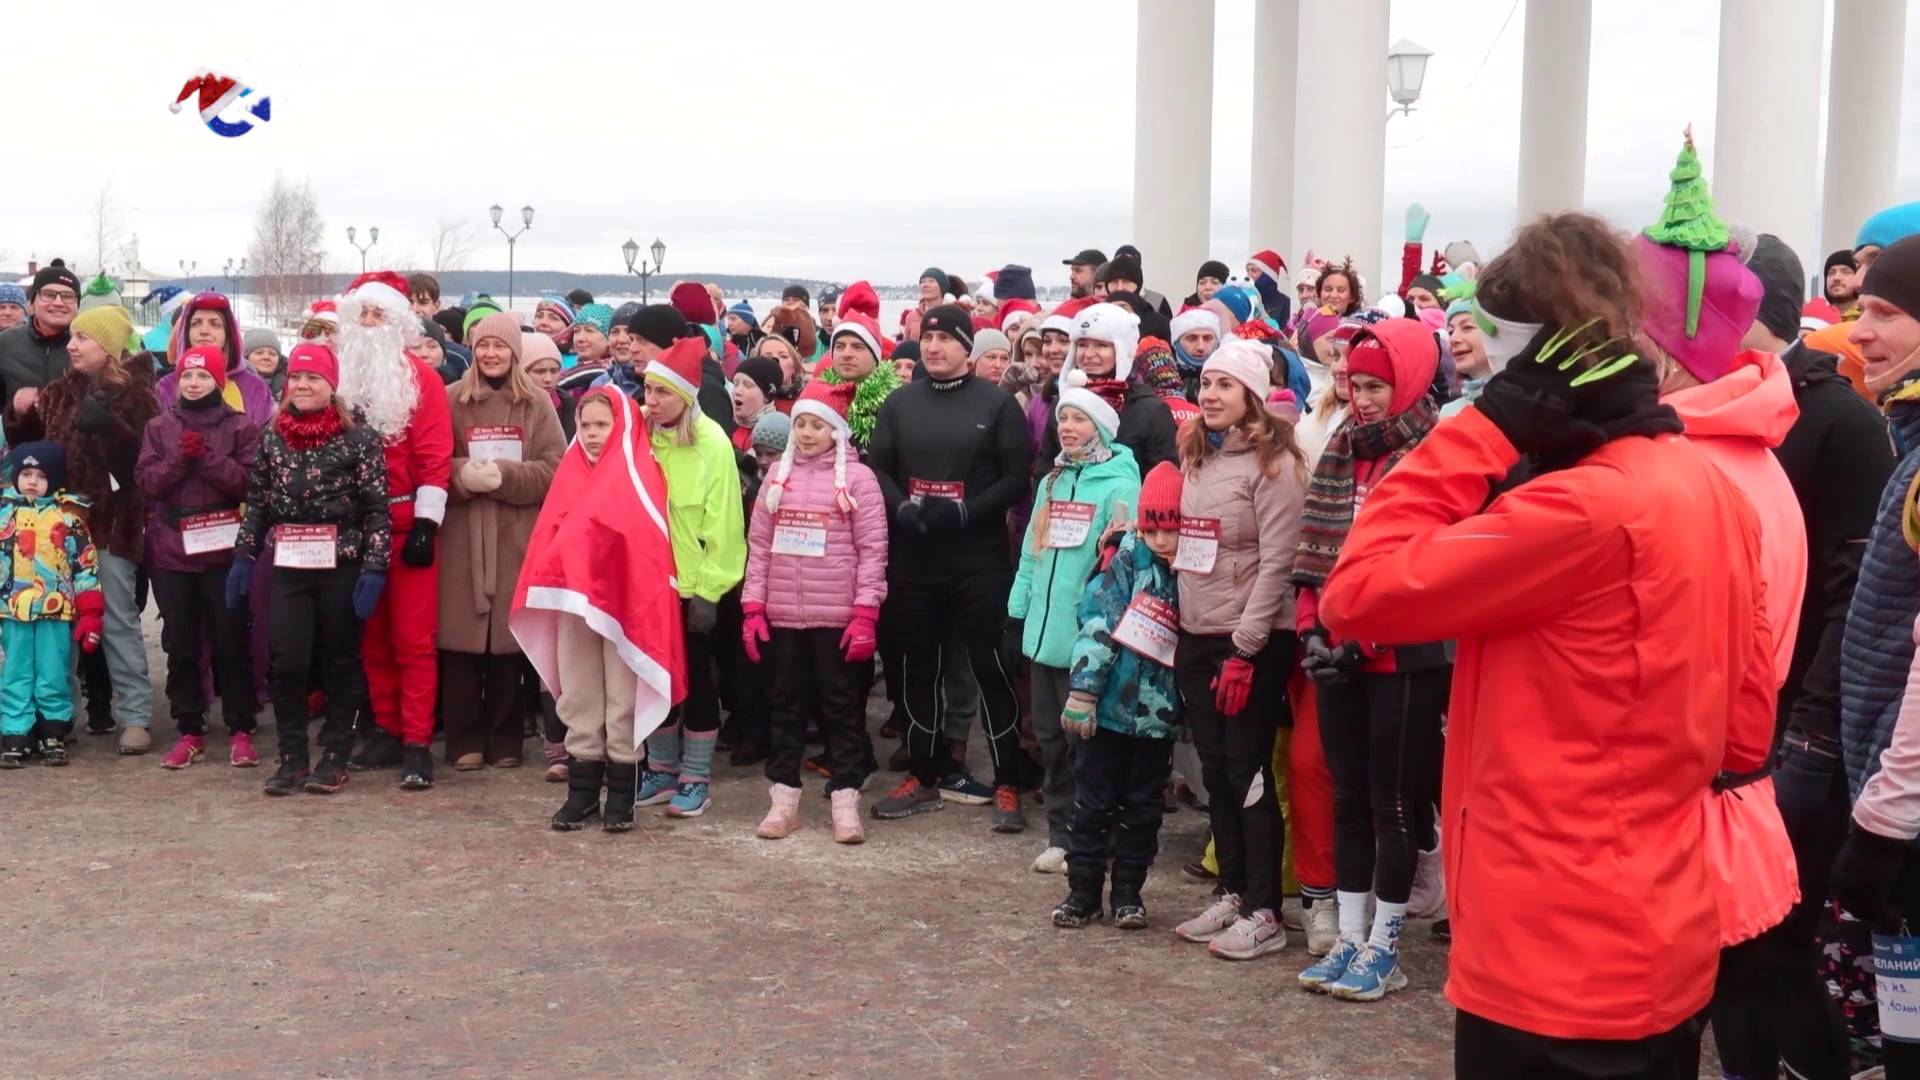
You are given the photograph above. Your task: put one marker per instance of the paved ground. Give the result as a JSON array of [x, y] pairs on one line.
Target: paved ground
[[181, 924]]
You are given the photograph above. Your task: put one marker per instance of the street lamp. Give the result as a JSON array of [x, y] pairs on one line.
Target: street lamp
[[632, 251], [233, 273], [373, 237], [1406, 71], [187, 269], [526, 222]]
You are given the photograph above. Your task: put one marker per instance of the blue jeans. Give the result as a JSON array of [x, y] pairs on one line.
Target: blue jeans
[[33, 681]]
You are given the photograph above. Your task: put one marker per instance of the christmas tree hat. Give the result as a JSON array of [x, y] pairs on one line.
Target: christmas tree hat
[[1700, 298], [1688, 222]]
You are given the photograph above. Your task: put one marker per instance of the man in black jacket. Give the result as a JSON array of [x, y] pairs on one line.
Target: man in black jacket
[[951, 455], [34, 353], [1772, 1004]]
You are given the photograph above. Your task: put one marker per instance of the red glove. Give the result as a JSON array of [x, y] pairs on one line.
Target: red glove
[[1232, 685], [753, 629], [193, 445], [858, 643], [90, 610]]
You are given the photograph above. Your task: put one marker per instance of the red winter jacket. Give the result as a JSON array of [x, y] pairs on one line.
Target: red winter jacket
[[420, 459], [1609, 620], [177, 486]]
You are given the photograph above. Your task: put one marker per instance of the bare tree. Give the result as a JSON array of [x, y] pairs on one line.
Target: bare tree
[[285, 259], [107, 241], [452, 245]]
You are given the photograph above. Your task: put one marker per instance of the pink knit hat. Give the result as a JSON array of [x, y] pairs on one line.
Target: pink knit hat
[[1728, 304], [1247, 362]]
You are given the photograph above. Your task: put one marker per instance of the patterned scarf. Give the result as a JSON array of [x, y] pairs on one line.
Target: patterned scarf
[[1156, 366], [1111, 391], [1328, 514]]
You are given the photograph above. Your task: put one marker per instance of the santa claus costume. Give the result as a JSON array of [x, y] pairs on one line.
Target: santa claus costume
[[403, 399]]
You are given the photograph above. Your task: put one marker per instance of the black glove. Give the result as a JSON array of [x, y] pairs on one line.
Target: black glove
[[1557, 405], [93, 416], [419, 548], [1012, 637], [908, 517], [1315, 653], [1863, 877], [1341, 665], [701, 615], [944, 515]]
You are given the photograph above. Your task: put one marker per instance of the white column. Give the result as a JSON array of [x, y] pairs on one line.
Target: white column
[[1863, 119], [1339, 184], [1553, 106], [1173, 140], [1766, 137], [1276, 62]]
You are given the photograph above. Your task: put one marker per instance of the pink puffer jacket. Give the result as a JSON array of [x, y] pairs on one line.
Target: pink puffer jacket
[[807, 592]]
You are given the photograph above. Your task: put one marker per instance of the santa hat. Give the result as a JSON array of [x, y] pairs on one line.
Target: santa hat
[[383, 289], [213, 93], [1110, 323], [1160, 497], [860, 298], [1194, 319], [691, 299], [1818, 315], [1074, 393], [1012, 309], [313, 357], [205, 358], [822, 401], [1270, 264], [324, 311], [678, 368], [860, 325], [1060, 323]]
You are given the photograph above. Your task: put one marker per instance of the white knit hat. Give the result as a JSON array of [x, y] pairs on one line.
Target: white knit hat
[[1195, 318], [1074, 394], [1247, 362], [1104, 322]]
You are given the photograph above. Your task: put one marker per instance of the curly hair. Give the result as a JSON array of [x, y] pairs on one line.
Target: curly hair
[[1566, 270], [1345, 270]]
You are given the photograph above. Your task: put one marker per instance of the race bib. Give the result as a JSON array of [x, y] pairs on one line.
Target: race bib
[[1896, 979], [1151, 628], [1069, 524], [202, 534], [800, 532], [922, 490], [1199, 545], [502, 443], [306, 547]]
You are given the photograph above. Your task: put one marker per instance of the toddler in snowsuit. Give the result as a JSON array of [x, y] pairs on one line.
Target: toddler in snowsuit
[[53, 599], [1124, 704]]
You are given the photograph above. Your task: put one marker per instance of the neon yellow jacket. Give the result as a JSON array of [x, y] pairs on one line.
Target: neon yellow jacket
[[705, 516]]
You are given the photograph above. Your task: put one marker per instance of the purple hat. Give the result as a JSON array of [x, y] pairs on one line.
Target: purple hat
[[1728, 304]]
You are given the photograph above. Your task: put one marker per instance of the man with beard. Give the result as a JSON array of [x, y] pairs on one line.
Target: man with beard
[[1837, 283], [402, 398]]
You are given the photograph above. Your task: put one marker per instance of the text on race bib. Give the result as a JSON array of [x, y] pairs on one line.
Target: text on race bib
[[306, 547]]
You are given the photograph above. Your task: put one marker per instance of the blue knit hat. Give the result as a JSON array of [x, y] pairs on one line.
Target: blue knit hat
[[1889, 226], [1237, 301], [744, 310], [600, 315], [48, 457], [12, 294]]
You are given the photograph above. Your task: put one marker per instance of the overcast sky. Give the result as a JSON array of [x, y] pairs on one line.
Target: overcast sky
[[841, 140]]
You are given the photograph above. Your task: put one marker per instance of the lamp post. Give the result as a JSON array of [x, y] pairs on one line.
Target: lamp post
[[233, 273], [187, 269], [373, 237], [526, 222], [632, 251], [1406, 71]]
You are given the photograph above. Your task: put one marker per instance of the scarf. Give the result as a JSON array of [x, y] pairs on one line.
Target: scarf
[[1187, 364], [1111, 391], [1327, 516], [867, 398], [304, 431]]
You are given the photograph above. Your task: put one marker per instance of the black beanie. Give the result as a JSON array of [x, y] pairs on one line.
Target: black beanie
[[54, 273], [1214, 269], [450, 320], [950, 319], [1895, 276], [1843, 257], [1428, 282], [937, 274], [763, 370], [796, 292], [660, 324], [1014, 283], [1778, 269], [1122, 268]]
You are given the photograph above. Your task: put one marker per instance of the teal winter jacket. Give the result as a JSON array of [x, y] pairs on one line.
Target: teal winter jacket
[[1048, 585], [1133, 694]]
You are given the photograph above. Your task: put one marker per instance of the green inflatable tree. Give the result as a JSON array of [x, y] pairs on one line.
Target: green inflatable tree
[[1688, 222]]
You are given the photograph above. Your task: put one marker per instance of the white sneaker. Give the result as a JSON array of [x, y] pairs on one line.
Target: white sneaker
[[1211, 923], [1429, 897], [1250, 938], [1051, 861], [1292, 915], [1323, 927]]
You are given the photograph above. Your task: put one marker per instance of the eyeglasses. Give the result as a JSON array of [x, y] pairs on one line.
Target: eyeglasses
[[57, 296]]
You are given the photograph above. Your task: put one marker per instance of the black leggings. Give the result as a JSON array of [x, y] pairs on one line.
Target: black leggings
[[194, 613], [1484, 1050], [973, 604], [1236, 762], [315, 608], [1381, 737]]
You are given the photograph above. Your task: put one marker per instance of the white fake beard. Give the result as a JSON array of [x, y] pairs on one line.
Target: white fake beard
[[375, 376]]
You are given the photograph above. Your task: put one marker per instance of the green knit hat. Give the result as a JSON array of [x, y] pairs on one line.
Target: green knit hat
[[1688, 222]]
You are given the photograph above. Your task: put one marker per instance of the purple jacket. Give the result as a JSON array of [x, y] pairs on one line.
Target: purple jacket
[[175, 486], [251, 390], [805, 592]]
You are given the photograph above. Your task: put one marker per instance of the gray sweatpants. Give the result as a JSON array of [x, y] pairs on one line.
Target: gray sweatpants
[[120, 639], [1057, 748]]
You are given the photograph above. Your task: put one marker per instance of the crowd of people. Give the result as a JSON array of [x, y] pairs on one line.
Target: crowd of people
[[1599, 560]]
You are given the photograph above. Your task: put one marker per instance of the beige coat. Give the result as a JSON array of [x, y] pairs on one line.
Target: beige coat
[[484, 539], [1249, 591]]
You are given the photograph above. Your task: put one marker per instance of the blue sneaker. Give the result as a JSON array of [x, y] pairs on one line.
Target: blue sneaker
[[690, 800], [960, 787], [1330, 967], [1374, 974], [656, 787]]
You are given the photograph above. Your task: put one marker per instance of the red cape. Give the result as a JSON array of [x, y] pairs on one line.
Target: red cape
[[600, 553]]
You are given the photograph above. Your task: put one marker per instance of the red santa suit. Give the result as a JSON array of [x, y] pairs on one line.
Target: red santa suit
[[398, 644]]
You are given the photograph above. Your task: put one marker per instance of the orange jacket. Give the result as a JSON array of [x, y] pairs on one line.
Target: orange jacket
[[1609, 624]]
